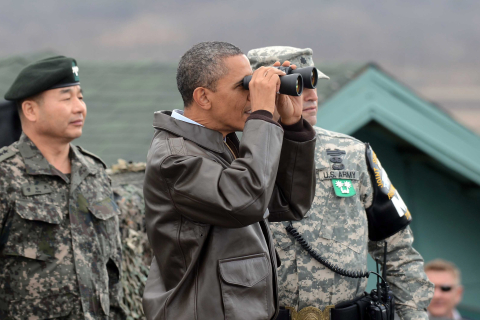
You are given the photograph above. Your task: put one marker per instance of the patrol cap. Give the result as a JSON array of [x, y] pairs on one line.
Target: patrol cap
[[46, 74], [267, 56]]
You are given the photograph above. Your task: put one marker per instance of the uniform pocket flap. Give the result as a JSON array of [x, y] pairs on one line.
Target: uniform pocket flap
[[245, 271], [104, 209], [39, 211]]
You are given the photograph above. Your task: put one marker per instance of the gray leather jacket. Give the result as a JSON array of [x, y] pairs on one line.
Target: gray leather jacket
[[206, 205]]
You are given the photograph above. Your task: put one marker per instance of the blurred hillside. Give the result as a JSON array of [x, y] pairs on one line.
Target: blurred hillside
[[431, 45], [402, 33]]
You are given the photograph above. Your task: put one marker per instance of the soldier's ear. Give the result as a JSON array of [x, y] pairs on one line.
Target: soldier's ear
[[30, 110], [201, 97]]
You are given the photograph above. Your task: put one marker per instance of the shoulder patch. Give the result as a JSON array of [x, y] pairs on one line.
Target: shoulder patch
[[92, 155], [6, 153], [388, 214], [177, 146]]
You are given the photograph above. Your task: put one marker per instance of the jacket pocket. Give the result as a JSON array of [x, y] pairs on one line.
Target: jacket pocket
[[52, 306], [26, 235], [244, 286]]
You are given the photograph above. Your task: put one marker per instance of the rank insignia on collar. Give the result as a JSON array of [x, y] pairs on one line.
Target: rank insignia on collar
[[343, 188]]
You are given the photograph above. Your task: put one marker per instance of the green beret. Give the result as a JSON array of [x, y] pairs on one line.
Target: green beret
[[267, 56], [46, 74]]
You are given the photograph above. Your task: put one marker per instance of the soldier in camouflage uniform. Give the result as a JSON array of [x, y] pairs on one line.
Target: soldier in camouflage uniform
[[337, 226], [60, 251]]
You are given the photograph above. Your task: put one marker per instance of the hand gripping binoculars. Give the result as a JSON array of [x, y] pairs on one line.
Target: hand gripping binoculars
[[294, 81]]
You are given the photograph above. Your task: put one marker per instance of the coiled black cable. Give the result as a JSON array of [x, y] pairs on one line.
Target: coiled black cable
[[305, 245]]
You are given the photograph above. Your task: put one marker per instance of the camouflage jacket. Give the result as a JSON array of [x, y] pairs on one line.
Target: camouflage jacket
[[337, 228], [59, 238]]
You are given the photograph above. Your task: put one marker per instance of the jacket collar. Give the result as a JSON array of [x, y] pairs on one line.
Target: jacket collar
[[204, 137], [81, 167], [80, 162], [35, 162]]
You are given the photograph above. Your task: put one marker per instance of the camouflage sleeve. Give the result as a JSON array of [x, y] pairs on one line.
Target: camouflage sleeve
[[4, 207], [405, 274]]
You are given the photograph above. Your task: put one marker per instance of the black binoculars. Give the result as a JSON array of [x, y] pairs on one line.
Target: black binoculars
[[293, 82]]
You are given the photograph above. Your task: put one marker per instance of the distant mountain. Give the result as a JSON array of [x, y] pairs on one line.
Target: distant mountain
[[403, 33]]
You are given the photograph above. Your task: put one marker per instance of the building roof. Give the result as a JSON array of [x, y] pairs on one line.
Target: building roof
[[340, 74], [375, 96]]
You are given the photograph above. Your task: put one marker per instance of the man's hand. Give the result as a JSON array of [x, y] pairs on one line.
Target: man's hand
[[263, 88], [289, 107]]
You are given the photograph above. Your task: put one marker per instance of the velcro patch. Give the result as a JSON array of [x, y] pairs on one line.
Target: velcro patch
[[338, 174], [36, 189]]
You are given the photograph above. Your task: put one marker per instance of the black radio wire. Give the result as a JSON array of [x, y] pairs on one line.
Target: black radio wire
[[305, 245]]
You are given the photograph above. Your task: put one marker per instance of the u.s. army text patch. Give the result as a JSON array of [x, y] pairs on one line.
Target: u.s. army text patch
[[338, 174]]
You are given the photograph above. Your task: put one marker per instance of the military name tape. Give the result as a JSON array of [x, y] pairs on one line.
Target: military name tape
[[338, 174]]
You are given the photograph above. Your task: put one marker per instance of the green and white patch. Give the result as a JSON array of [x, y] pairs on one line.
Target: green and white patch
[[343, 187]]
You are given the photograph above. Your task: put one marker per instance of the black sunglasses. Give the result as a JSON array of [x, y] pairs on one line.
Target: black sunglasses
[[445, 288]]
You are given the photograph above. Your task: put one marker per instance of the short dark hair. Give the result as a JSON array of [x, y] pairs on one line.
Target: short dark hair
[[202, 66]]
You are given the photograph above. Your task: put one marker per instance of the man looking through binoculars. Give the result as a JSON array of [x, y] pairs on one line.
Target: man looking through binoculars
[[208, 195]]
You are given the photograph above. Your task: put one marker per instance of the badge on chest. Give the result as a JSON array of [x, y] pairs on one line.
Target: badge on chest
[[343, 188], [342, 179]]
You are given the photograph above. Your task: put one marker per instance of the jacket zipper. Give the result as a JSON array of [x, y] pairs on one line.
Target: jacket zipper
[[231, 151]]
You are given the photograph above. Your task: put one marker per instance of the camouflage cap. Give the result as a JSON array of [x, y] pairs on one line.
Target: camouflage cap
[[269, 55], [46, 74]]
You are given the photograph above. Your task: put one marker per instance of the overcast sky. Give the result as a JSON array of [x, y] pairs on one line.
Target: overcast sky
[[429, 44]]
